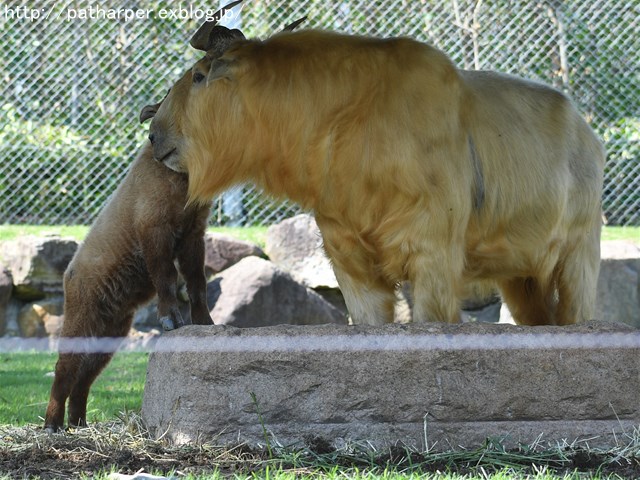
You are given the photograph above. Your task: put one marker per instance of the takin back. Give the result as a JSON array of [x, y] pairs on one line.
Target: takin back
[[415, 170]]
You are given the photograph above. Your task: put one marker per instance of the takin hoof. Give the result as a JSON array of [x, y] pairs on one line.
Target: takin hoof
[[167, 324]]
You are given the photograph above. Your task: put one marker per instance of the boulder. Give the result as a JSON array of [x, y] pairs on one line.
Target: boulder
[[37, 264], [223, 251], [296, 246], [428, 386], [255, 292], [6, 287], [42, 318], [618, 297]]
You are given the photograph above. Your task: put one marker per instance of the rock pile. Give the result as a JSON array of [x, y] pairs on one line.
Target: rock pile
[[291, 282]]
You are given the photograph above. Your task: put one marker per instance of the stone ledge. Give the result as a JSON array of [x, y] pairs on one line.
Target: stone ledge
[[385, 385]]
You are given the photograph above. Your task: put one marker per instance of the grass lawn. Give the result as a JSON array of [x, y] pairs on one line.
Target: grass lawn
[[256, 235], [116, 440], [26, 379]]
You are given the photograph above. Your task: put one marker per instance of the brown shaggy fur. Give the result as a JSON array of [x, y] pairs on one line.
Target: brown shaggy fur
[[415, 170], [127, 256]]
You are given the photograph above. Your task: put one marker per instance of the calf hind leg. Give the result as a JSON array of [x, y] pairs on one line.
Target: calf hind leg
[[75, 372], [66, 373], [91, 366]]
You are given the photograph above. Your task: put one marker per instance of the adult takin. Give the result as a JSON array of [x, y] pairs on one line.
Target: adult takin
[[415, 170]]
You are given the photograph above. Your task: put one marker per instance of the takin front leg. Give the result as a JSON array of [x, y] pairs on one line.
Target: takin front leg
[[577, 279], [158, 252], [369, 297], [369, 303], [191, 261], [435, 281]]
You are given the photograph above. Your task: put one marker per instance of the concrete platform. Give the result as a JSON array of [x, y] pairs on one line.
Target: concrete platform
[[427, 386]]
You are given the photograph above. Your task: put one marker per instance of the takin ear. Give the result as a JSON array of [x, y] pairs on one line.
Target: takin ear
[[148, 111], [220, 68]]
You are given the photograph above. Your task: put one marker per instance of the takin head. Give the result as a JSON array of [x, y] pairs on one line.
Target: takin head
[[165, 132]]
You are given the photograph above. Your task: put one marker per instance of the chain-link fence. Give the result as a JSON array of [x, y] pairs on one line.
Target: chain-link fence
[[75, 75]]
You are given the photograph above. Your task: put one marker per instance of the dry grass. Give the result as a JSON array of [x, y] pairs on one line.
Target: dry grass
[[125, 446]]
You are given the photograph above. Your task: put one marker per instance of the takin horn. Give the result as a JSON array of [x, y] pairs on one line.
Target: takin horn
[[148, 111], [206, 36], [293, 25]]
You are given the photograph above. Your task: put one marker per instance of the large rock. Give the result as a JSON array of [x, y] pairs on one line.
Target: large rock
[[37, 264], [6, 287], [223, 251], [41, 319], [428, 385], [255, 292], [296, 245], [619, 283]]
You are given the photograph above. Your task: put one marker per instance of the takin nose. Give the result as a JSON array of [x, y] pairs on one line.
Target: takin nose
[[152, 138]]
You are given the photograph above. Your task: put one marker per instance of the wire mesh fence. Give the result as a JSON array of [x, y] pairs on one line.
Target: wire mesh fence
[[76, 74]]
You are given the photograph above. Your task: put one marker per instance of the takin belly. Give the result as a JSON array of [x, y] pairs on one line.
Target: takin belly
[[504, 257]]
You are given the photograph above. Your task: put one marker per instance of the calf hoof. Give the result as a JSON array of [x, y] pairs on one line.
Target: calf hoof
[[50, 429], [167, 324]]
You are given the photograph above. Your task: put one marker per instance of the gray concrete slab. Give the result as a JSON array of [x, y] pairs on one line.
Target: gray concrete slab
[[427, 386]]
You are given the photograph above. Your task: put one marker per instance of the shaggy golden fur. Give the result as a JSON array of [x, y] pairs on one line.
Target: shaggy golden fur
[[127, 256], [415, 170]]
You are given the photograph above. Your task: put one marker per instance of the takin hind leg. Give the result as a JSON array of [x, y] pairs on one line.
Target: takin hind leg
[[577, 278], [75, 372], [90, 368], [66, 372], [530, 301]]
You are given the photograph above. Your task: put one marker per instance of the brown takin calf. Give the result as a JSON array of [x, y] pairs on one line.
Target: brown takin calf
[[415, 170], [127, 256]]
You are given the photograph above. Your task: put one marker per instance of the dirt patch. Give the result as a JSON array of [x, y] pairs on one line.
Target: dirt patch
[[125, 446]]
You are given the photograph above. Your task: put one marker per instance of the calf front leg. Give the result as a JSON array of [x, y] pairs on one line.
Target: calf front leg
[[190, 256], [158, 250]]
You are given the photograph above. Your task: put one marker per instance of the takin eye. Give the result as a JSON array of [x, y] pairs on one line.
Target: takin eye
[[198, 77]]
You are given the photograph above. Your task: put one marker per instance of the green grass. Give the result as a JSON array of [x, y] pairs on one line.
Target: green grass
[[255, 235], [621, 233], [10, 232], [117, 440], [26, 381]]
